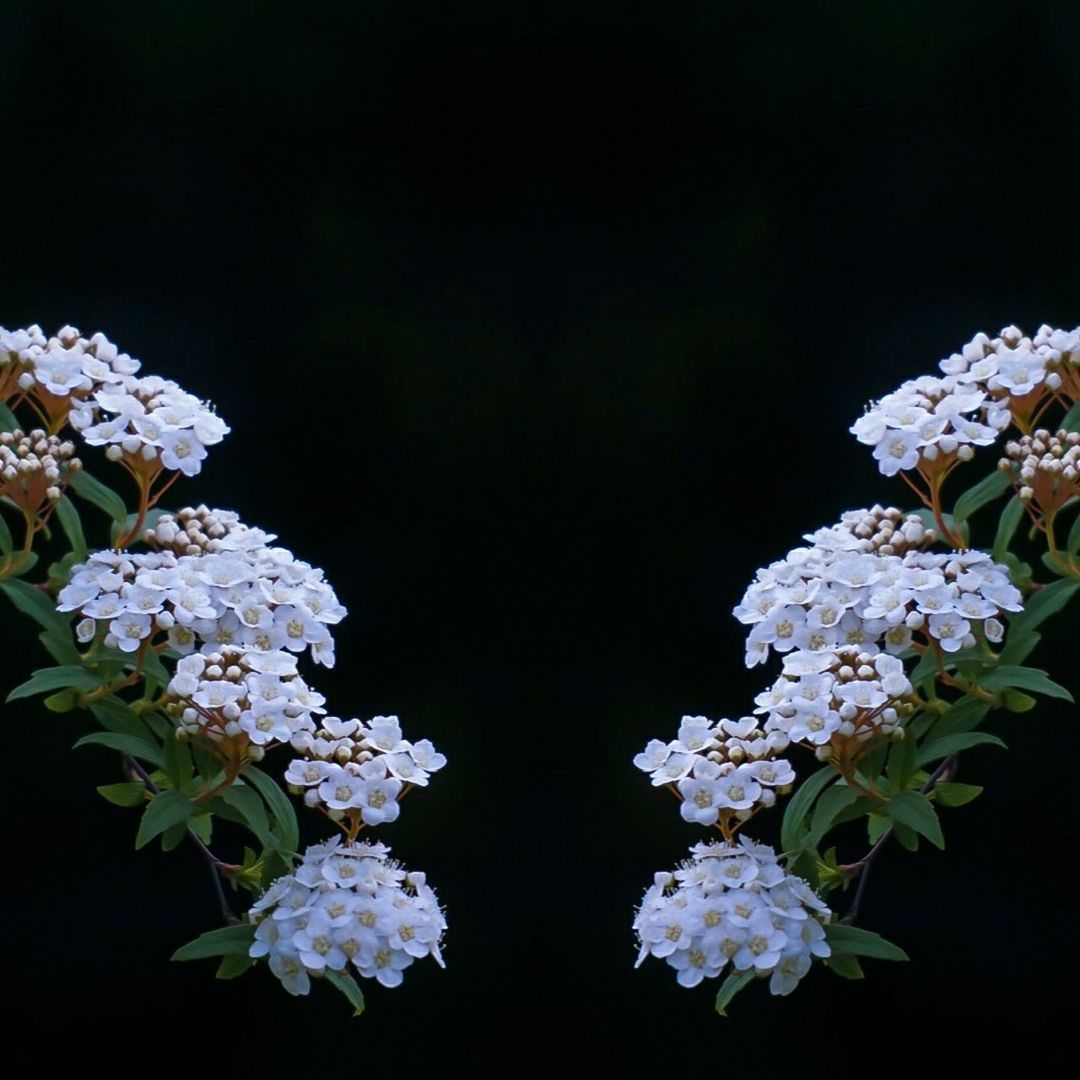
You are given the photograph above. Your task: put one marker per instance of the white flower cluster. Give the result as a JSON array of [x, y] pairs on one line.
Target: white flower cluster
[[233, 693], [1014, 366], [818, 599], [199, 530], [850, 693], [928, 420], [34, 468], [733, 903], [1045, 466], [729, 766], [881, 530], [346, 904], [356, 769], [66, 365], [261, 599]]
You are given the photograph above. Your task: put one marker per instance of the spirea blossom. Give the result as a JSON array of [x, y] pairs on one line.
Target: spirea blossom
[[243, 698], [35, 468], [733, 904], [346, 904], [359, 770], [261, 599], [729, 767], [820, 598], [1045, 468], [822, 697], [199, 530]]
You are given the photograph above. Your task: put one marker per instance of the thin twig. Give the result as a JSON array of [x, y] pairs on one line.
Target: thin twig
[[217, 866], [862, 866]]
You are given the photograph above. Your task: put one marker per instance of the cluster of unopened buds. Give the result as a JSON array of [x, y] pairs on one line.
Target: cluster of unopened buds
[[733, 904], [35, 468], [346, 905], [1045, 468]]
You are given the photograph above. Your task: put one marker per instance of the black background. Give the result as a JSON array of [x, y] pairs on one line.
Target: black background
[[539, 327]]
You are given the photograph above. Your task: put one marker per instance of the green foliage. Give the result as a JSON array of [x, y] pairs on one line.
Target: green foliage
[[730, 987], [798, 807], [38, 605], [854, 941], [104, 498], [252, 811], [950, 794], [56, 678], [845, 965], [68, 516], [7, 541], [831, 804], [913, 809], [985, 491], [1008, 523], [133, 794], [347, 985], [164, 810], [285, 824], [225, 941], [1011, 676], [128, 523], [137, 746], [936, 749], [233, 965], [8, 420]]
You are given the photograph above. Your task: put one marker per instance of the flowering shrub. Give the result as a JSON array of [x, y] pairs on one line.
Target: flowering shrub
[[895, 641], [187, 655]]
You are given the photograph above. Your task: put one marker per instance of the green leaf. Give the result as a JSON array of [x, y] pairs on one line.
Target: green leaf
[[845, 965], [127, 744], [104, 498], [1017, 701], [168, 808], [963, 715], [854, 941], [936, 749], [1071, 420], [730, 987], [906, 836], [832, 803], [347, 985], [123, 794], [60, 647], [71, 523], [985, 491], [149, 522], [1008, 523], [1072, 544], [949, 794], [1023, 678], [56, 678], [1049, 600], [791, 833], [202, 825], [914, 810], [288, 830], [177, 761], [38, 605], [234, 965], [115, 715], [246, 801], [8, 420], [877, 825], [7, 541], [901, 761], [225, 941], [174, 836]]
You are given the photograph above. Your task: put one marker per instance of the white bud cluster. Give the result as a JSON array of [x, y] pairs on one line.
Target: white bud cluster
[[35, 468], [261, 599], [199, 530], [879, 530], [818, 600], [346, 904], [1013, 365], [66, 365], [354, 769], [231, 694], [1045, 467], [849, 694], [733, 904], [729, 766]]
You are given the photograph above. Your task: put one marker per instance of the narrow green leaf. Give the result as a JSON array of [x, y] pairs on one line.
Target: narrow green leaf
[[56, 678], [246, 801], [1017, 701], [286, 825], [123, 794], [115, 715], [914, 810], [62, 701], [901, 761], [985, 491], [37, 604], [71, 523], [60, 647], [1049, 600], [174, 836], [7, 541], [951, 794], [234, 965], [845, 965], [225, 941], [799, 806], [854, 941], [1071, 420], [966, 714], [1012, 676], [8, 420], [168, 808], [178, 766], [1072, 544], [104, 498], [127, 744], [344, 982], [1008, 523], [832, 803], [202, 825], [877, 825], [730, 987], [936, 749]]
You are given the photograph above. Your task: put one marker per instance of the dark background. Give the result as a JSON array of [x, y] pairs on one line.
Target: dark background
[[540, 327]]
